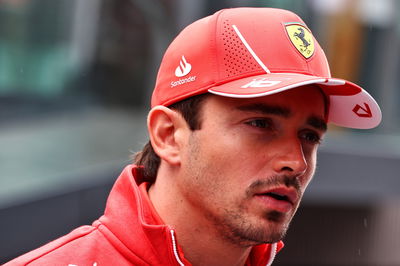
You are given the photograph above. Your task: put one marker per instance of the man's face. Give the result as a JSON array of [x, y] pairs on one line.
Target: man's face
[[247, 167]]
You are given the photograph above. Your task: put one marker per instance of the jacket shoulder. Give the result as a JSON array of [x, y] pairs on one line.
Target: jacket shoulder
[[57, 250]]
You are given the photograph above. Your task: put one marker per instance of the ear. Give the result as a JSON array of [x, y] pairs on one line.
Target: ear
[[163, 125]]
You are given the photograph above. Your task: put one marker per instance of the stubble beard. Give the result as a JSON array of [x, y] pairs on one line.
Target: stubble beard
[[237, 228], [234, 224]]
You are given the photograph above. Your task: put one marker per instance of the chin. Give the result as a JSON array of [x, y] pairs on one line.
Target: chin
[[276, 235], [272, 229], [262, 236], [276, 227]]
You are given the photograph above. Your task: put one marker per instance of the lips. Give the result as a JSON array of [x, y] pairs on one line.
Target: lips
[[282, 199], [282, 193]]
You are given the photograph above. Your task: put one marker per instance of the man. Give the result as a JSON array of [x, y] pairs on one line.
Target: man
[[240, 106]]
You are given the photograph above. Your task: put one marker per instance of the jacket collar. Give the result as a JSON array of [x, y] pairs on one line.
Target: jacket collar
[[130, 216]]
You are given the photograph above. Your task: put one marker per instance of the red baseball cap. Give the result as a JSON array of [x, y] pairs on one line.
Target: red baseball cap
[[254, 52]]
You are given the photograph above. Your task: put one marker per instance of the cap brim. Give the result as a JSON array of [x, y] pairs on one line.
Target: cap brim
[[349, 105]]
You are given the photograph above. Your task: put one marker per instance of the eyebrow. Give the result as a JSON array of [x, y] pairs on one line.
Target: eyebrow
[[266, 109], [317, 123], [262, 108]]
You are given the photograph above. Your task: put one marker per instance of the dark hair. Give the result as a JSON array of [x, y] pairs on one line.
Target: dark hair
[[147, 159]]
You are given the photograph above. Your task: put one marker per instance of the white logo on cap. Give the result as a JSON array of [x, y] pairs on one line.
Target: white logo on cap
[[183, 69], [261, 83]]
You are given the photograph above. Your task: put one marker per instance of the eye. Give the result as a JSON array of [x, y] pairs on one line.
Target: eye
[[311, 137], [260, 123]]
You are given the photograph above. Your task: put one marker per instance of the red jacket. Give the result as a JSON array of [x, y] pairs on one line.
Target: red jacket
[[129, 233]]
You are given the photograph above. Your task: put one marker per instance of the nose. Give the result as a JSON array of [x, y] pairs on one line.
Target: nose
[[290, 158]]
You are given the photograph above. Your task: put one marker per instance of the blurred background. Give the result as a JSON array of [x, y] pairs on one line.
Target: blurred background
[[75, 81]]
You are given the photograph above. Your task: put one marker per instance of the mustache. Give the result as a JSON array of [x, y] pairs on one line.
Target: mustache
[[275, 181]]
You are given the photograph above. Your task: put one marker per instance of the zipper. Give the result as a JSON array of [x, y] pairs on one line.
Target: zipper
[[175, 248], [274, 248]]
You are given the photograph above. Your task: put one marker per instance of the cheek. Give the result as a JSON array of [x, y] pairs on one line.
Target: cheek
[[209, 179], [311, 163], [222, 147], [223, 158], [237, 156]]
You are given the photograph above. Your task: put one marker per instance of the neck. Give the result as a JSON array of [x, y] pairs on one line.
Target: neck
[[197, 236]]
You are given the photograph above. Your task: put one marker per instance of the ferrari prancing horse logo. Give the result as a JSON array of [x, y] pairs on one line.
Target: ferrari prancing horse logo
[[301, 38]]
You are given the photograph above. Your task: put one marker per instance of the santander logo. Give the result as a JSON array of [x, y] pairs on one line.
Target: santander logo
[[183, 69]]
